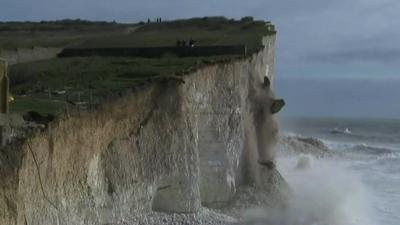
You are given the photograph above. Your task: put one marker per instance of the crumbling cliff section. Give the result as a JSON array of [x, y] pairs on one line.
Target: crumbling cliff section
[[171, 147]]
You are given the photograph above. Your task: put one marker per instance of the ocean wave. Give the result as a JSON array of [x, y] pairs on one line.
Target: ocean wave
[[295, 143], [364, 135], [371, 149], [326, 192], [359, 147], [390, 156], [350, 134], [337, 130], [292, 134]]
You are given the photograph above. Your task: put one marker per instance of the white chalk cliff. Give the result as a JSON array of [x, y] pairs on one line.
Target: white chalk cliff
[[171, 147]]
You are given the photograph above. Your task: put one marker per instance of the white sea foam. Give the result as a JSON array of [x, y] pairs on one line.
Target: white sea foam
[[323, 194], [367, 161], [304, 161]]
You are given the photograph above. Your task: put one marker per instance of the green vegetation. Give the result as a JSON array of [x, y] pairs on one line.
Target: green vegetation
[[105, 74], [60, 33], [42, 106], [205, 31], [96, 78], [99, 76]]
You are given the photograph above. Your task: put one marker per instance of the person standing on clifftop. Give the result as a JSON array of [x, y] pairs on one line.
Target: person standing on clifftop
[[178, 43], [191, 43]]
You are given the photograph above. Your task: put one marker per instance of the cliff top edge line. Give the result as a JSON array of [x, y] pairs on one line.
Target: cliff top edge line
[[46, 84]]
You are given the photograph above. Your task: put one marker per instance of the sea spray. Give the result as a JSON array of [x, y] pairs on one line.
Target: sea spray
[[304, 161], [323, 193]]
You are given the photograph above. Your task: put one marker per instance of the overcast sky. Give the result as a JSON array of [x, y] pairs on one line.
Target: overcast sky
[[316, 38]]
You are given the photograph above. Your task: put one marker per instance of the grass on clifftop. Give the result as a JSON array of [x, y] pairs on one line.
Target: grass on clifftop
[[103, 74], [60, 33], [99, 77], [81, 33], [205, 31], [91, 77]]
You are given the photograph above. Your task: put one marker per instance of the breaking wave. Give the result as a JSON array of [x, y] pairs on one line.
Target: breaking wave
[[360, 148], [341, 131], [324, 192], [312, 145], [354, 183]]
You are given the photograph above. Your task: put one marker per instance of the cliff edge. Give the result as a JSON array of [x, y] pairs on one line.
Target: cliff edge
[[175, 148]]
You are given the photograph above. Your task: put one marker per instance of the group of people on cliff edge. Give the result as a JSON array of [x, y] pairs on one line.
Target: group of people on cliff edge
[[184, 43]]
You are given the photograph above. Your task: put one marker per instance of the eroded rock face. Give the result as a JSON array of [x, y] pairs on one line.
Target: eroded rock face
[[172, 147], [12, 129]]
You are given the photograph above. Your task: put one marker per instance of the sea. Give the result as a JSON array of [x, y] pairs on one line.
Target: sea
[[358, 183]]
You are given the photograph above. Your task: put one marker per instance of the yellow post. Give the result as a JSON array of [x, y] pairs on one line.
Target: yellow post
[[4, 87]]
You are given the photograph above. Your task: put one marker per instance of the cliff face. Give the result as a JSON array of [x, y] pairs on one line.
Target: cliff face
[[172, 147]]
